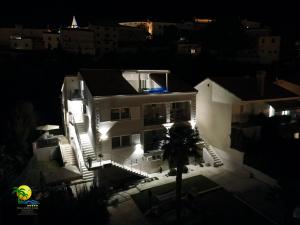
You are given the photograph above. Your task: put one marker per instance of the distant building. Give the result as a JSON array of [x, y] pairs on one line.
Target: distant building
[[51, 40], [20, 38], [20, 43], [268, 48], [132, 35], [121, 115], [5, 36], [78, 41], [186, 48], [155, 29], [105, 38], [248, 24]]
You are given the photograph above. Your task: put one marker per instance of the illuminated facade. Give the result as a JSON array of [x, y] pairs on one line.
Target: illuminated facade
[[118, 116], [224, 106]]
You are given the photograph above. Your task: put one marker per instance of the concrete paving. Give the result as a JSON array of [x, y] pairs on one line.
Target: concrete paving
[[252, 192]]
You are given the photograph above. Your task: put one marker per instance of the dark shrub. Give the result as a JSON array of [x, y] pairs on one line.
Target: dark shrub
[[172, 172]]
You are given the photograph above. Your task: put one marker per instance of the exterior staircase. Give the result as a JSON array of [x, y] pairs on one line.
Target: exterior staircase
[[216, 159], [68, 154], [81, 127], [87, 152], [87, 147], [129, 169]]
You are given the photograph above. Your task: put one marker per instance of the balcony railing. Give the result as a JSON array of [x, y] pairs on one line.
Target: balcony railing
[[154, 90]]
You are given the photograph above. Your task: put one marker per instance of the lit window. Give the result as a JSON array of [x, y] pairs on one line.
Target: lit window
[[193, 51], [285, 112]]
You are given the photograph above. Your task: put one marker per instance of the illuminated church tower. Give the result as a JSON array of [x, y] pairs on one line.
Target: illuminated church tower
[[74, 23]]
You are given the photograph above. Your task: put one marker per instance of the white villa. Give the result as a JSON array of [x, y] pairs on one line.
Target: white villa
[[114, 116], [224, 104]]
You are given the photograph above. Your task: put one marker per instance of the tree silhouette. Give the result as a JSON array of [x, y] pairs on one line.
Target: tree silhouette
[[180, 142]]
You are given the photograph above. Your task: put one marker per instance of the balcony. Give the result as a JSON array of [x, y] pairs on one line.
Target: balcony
[[154, 114], [148, 81]]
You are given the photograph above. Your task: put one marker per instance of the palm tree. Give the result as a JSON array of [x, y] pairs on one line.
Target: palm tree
[[180, 142]]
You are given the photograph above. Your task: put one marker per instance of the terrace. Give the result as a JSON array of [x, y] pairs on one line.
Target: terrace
[[143, 81]]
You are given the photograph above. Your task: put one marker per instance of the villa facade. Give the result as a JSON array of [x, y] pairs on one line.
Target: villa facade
[[117, 116]]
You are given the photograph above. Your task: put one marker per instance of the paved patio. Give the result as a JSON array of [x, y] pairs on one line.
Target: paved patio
[[253, 193]]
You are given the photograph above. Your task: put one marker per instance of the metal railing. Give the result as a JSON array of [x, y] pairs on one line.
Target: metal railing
[[84, 157], [129, 168]]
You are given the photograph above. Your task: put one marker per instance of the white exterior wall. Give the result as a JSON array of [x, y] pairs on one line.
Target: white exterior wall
[[214, 116], [134, 126]]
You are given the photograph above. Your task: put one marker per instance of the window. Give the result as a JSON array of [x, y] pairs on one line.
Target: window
[[120, 142], [152, 139], [180, 111], [154, 114], [125, 114], [120, 114]]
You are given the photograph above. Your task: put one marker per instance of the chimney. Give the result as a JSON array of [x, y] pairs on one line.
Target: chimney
[[260, 79]]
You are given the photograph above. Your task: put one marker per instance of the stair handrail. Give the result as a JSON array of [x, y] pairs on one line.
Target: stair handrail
[[79, 140], [133, 170], [61, 152], [209, 149]]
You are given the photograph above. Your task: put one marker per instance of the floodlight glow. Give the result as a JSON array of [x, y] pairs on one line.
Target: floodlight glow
[[103, 137], [193, 123], [168, 125], [138, 149], [104, 127]]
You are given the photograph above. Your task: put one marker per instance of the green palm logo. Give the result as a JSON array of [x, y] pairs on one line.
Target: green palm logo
[[23, 192]]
